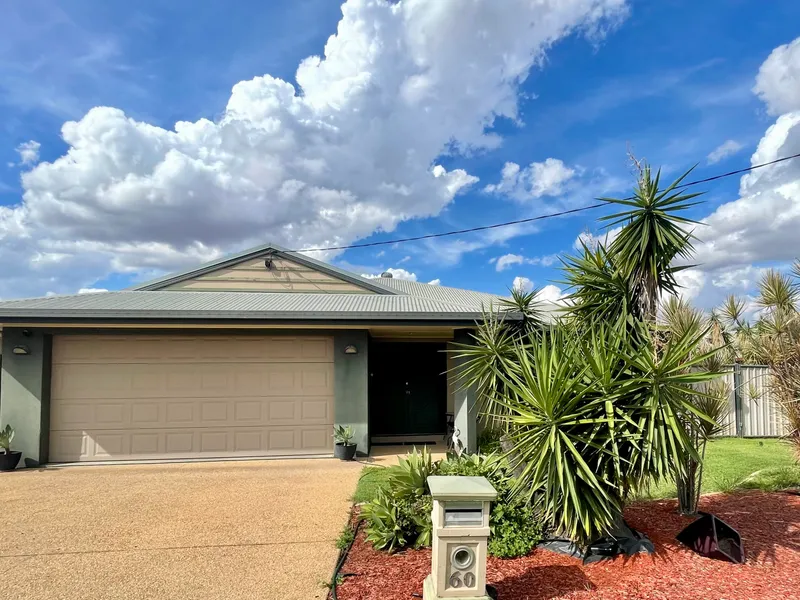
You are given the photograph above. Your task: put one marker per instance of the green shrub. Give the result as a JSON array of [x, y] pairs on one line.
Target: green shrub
[[490, 466], [400, 515], [417, 512], [515, 530], [489, 440]]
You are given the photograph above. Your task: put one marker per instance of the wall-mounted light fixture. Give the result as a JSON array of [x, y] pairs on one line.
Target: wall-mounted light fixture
[[350, 349], [21, 349]]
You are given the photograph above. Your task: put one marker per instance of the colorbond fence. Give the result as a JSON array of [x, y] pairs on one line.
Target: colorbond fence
[[752, 410]]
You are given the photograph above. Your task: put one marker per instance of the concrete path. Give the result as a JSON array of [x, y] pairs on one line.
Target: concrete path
[[388, 455], [255, 529]]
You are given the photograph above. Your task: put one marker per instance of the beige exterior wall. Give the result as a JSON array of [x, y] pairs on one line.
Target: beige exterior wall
[[253, 276], [155, 397]]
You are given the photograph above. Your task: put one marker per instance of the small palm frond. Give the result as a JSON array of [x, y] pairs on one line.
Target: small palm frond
[[598, 290], [732, 311], [528, 305], [777, 292]]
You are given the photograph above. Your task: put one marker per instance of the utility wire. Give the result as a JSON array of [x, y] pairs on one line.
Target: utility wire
[[539, 217], [738, 171]]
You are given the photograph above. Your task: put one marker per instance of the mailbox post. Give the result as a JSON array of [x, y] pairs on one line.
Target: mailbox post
[[461, 508]]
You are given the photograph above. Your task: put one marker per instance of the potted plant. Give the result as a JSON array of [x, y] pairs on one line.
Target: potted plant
[[343, 448], [8, 457]]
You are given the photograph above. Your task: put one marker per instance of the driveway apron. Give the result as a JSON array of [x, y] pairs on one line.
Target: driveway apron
[[251, 529]]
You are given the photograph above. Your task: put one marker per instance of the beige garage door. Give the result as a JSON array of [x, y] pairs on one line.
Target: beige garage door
[[149, 397]]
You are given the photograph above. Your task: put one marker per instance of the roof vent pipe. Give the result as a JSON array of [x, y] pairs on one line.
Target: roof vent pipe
[[386, 275]]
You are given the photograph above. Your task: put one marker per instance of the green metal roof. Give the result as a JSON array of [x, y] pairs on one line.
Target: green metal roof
[[237, 305]]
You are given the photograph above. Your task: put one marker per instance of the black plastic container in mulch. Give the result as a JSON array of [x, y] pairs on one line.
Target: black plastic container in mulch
[[623, 541], [712, 537]]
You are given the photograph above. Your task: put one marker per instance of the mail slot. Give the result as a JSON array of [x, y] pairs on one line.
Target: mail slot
[[463, 514]]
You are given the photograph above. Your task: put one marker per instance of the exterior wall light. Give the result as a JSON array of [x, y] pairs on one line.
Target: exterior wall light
[[21, 350], [350, 349]]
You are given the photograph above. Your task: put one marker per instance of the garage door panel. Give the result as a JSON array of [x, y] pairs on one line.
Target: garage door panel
[[192, 349], [186, 400], [95, 445], [69, 415], [84, 381]]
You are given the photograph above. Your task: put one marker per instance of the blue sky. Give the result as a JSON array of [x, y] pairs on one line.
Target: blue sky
[[107, 204]]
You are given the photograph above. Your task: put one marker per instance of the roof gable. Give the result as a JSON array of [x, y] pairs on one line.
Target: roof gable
[[267, 268]]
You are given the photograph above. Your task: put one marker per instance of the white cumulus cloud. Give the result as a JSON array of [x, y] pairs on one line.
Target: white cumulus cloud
[[435, 282], [395, 273], [523, 284], [723, 151], [350, 149], [760, 228], [28, 152], [506, 261], [548, 178], [593, 239], [778, 80]]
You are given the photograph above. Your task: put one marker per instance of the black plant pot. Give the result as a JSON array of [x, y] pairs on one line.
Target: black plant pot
[[9, 461], [344, 451]]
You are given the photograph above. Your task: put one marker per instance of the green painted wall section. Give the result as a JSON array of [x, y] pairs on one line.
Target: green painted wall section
[[465, 401], [25, 393], [351, 385]]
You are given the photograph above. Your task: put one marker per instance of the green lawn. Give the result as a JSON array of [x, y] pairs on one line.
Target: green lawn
[[729, 461], [371, 479]]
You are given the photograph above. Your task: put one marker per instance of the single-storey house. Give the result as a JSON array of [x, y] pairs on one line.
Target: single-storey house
[[257, 354]]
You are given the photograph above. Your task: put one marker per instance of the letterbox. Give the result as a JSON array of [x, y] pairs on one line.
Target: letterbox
[[461, 508]]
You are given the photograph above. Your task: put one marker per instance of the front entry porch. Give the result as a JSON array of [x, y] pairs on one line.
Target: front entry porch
[[407, 392]]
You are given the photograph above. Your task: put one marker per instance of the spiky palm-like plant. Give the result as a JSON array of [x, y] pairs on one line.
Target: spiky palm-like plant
[[711, 399], [773, 340], [651, 238], [594, 416], [597, 405]]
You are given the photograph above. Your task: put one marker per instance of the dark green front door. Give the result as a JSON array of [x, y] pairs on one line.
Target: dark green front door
[[408, 388]]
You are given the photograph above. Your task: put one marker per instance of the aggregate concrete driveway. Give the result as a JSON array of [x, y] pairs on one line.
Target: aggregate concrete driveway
[[255, 529]]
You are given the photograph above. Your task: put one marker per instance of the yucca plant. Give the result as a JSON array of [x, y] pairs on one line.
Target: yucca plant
[[652, 237], [679, 319], [595, 416], [773, 340], [597, 405]]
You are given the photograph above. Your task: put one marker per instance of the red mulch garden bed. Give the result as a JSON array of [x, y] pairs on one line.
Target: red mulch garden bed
[[768, 522]]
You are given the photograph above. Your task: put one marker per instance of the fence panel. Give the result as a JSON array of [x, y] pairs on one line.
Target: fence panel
[[729, 420], [759, 415]]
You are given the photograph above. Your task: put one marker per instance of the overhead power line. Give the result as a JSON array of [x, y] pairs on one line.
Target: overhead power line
[[539, 217]]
